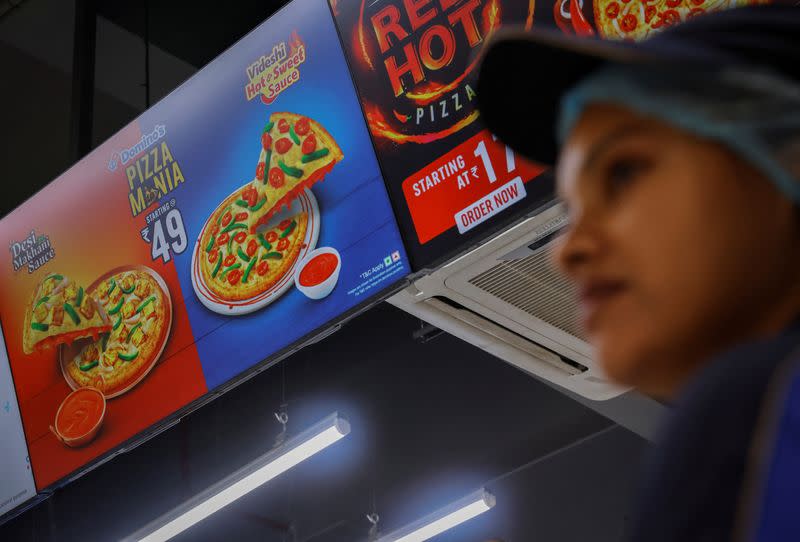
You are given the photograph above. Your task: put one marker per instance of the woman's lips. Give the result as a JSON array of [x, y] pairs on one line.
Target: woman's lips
[[596, 294]]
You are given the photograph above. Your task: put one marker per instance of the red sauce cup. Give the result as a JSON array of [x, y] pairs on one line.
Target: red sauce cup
[[317, 274], [79, 417]]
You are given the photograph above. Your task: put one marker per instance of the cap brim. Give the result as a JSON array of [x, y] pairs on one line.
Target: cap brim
[[523, 75]]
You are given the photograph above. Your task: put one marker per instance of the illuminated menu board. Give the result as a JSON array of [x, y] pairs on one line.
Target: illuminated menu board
[[236, 218]]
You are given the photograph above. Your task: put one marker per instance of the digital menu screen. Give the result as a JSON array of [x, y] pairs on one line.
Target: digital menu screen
[[241, 214], [15, 469], [415, 65]]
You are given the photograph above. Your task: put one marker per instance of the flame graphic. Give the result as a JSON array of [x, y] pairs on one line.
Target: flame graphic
[[295, 42], [531, 9], [427, 94], [335, 7], [360, 36], [381, 128]]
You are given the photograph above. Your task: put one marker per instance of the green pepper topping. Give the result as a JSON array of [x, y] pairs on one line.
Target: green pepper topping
[[45, 299], [289, 230], [268, 127], [259, 205], [293, 135], [242, 254], [210, 244], [72, 314], [219, 218], [216, 267], [115, 309], [272, 256], [88, 366], [39, 327], [234, 226], [230, 243], [231, 268], [266, 161], [55, 276], [104, 341], [129, 290], [117, 323], [242, 203], [130, 333], [247, 270], [146, 303], [112, 285], [289, 170], [79, 297], [316, 155], [263, 241], [128, 357]]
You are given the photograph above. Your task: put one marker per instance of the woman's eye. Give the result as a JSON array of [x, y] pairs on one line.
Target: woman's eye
[[622, 172]]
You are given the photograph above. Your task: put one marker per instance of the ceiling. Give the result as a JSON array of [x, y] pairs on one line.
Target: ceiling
[[430, 421]]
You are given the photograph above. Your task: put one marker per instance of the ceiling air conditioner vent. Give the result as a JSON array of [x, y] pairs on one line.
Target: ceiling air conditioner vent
[[532, 285]]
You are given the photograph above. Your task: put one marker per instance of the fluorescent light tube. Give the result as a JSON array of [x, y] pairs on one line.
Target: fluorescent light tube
[[444, 519], [245, 480]]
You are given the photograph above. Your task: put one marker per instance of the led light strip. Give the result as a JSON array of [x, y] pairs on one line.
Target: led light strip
[[444, 519], [245, 480]]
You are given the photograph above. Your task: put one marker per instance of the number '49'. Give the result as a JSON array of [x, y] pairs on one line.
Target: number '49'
[[174, 238]]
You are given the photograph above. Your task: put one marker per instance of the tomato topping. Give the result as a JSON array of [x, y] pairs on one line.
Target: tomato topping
[[262, 268], [241, 216], [234, 276], [226, 218], [698, 2], [612, 10], [310, 144], [260, 171], [674, 3], [695, 12], [283, 244], [670, 17], [649, 12], [250, 194], [283, 126], [302, 126], [266, 141], [626, 1], [230, 259], [628, 23], [283, 145], [213, 255], [240, 237], [284, 224], [214, 229], [252, 246], [222, 239], [271, 237], [276, 177]]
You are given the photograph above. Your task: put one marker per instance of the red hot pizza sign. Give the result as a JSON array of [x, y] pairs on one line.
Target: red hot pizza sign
[[422, 53]]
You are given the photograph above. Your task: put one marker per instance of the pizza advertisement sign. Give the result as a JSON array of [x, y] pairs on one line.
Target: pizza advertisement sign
[[243, 213], [415, 64]]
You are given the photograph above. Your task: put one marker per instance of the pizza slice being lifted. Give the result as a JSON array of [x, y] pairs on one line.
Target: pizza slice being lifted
[[61, 311], [296, 152]]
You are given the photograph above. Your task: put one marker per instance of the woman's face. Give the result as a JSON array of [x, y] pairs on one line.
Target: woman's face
[[679, 248]]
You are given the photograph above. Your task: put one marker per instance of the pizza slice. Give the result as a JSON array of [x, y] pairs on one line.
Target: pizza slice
[[238, 263], [296, 152], [61, 311]]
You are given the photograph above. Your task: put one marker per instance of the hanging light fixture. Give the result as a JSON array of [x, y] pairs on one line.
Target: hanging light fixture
[[443, 519], [258, 472]]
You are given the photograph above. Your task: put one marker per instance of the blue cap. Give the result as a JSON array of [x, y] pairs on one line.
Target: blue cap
[[524, 74]]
